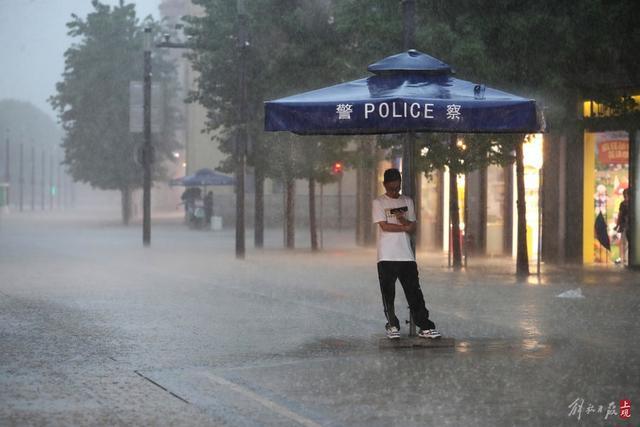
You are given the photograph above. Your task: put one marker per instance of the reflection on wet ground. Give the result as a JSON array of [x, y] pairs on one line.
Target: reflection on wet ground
[[524, 347], [471, 346]]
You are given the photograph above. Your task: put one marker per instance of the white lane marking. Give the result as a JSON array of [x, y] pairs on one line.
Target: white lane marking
[[281, 410]]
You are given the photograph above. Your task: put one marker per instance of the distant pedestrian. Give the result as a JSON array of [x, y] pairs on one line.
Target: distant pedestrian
[[208, 207], [395, 214], [622, 226]]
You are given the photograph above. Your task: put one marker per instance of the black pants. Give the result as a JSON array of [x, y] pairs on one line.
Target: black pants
[[407, 272]]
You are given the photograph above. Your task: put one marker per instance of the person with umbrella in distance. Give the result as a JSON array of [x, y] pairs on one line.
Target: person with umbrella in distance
[[395, 214], [208, 207]]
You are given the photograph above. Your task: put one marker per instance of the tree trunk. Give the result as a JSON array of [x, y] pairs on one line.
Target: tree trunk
[[290, 212], [125, 194], [522, 257], [454, 211], [359, 199], [258, 223], [313, 229], [370, 185]]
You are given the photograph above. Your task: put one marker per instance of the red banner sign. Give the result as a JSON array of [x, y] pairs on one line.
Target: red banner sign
[[613, 152]]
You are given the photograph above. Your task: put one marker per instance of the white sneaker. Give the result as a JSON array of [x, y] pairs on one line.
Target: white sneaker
[[393, 333], [429, 333]]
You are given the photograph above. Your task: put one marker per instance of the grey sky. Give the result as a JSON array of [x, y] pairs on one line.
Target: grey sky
[[33, 38]]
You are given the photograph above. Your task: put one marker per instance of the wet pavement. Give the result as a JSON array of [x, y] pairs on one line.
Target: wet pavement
[[96, 330]]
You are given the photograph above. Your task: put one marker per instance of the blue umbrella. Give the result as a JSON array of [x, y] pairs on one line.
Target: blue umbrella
[[203, 177], [409, 92]]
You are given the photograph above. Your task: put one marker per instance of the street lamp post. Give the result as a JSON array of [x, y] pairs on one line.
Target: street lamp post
[[33, 177], [21, 177], [241, 135], [7, 168], [51, 193], [43, 188], [146, 151]]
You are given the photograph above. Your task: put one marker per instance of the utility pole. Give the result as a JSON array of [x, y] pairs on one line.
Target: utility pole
[[59, 184], [7, 169], [51, 193], [241, 134], [43, 188], [21, 176], [33, 177], [146, 151]]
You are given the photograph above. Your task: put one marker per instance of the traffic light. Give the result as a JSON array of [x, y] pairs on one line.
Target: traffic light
[[336, 169]]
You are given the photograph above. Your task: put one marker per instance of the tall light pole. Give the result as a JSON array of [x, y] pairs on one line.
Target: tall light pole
[[51, 187], [21, 177], [58, 183], [146, 151], [241, 134], [43, 187], [7, 168], [33, 177]]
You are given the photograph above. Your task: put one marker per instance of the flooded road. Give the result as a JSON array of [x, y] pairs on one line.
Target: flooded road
[[96, 329]]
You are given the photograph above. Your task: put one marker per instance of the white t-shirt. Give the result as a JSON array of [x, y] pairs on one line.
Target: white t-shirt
[[393, 246]]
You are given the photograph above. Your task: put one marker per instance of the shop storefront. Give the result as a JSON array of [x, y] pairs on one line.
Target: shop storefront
[[607, 173], [606, 176], [487, 203]]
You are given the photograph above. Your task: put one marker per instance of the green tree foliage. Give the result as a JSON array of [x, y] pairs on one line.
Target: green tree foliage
[[290, 50], [93, 100], [471, 152], [555, 52]]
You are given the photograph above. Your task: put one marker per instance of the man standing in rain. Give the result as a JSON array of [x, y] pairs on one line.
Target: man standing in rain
[[395, 214]]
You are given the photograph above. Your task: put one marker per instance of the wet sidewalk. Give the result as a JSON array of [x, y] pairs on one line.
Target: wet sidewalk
[[96, 329]]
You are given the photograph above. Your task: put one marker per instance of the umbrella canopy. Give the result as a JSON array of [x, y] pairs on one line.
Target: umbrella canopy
[[409, 92], [203, 177]]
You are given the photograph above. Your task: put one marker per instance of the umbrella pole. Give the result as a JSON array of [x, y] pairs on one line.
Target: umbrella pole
[[409, 190], [408, 155], [321, 216]]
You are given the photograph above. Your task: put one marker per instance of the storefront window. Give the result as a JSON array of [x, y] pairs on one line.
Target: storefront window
[[606, 176], [446, 230], [429, 210], [496, 187]]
